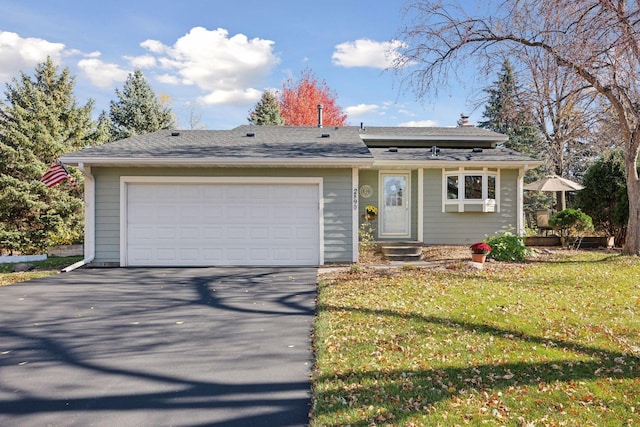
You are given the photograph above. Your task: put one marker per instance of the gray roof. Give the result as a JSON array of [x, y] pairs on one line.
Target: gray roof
[[452, 155], [454, 137], [432, 132], [286, 146]]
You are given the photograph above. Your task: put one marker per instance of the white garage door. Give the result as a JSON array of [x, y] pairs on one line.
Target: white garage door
[[206, 224]]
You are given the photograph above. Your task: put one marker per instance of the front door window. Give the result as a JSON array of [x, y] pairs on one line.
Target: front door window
[[395, 205]]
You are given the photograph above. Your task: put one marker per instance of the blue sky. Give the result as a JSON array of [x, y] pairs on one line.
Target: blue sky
[[214, 58]]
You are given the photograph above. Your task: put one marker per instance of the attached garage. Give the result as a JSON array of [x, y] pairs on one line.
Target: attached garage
[[233, 221]]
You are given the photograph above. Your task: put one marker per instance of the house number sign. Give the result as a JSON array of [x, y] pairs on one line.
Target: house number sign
[[366, 191]]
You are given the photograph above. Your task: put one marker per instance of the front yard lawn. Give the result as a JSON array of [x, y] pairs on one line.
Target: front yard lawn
[[547, 343], [48, 267]]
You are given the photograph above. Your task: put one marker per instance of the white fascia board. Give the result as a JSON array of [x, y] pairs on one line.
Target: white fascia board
[[208, 162], [435, 164], [497, 138]]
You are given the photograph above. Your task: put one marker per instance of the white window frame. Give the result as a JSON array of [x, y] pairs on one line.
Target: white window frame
[[459, 204]]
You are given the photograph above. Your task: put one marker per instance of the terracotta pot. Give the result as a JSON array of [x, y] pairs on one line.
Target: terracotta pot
[[480, 258]]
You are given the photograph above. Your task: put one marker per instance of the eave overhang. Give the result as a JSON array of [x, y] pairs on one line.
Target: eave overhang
[[437, 164], [216, 162]]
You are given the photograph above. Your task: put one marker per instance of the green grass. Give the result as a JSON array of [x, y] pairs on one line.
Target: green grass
[[548, 343], [48, 267]]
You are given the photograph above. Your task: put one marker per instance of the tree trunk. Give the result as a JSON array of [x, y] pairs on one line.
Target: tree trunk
[[561, 201], [632, 242]]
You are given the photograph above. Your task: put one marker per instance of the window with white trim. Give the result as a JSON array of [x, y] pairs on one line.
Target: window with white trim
[[471, 190]]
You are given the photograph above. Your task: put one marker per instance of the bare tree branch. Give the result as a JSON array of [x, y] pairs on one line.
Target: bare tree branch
[[596, 40]]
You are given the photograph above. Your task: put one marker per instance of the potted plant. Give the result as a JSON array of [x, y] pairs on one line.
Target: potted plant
[[370, 212], [479, 252]]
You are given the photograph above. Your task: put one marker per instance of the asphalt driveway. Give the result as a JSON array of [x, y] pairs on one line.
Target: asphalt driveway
[[158, 347]]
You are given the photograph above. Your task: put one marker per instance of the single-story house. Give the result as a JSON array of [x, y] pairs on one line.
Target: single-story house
[[279, 195]]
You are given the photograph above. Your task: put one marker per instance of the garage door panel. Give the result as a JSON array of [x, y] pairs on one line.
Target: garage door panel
[[304, 254], [165, 254], [303, 233], [190, 233], [222, 224], [256, 233], [212, 254], [164, 232], [281, 254], [259, 254], [211, 233], [188, 253], [285, 235]]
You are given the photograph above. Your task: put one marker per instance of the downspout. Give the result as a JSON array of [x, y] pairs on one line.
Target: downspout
[[89, 219], [355, 218], [520, 202]]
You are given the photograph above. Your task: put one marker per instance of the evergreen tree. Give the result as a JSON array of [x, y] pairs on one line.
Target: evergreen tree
[[604, 197], [39, 121], [103, 130], [506, 112], [138, 109], [267, 111]]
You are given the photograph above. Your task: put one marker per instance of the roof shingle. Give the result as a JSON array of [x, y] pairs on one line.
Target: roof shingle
[[275, 145]]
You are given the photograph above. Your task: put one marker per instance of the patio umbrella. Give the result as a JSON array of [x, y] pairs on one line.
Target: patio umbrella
[[554, 183]]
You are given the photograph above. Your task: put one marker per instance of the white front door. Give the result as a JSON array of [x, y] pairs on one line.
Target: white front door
[[395, 212]]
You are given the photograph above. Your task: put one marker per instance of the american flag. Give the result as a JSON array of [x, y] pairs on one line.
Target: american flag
[[56, 174]]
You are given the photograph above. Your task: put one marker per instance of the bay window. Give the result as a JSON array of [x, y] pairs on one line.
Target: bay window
[[470, 190]]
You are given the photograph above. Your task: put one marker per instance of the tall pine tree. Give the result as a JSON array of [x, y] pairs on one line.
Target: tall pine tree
[[39, 121], [138, 110], [507, 113], [267, 111], [103, 130]]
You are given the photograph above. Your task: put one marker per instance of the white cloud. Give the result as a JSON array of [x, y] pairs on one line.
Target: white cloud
[[102, 74], [153, 46], [142, 61], [229, 68], [367, 53], [406, 112], [22, 54], [231, 97], [168, 79], [420, 123], [361, 109]]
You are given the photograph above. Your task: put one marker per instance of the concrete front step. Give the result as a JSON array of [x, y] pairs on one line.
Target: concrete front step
[[413, 258], [402, 251]]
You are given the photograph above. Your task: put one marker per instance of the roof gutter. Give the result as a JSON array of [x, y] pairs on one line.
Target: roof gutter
[[436, 164], [89, 219], [203, 162]]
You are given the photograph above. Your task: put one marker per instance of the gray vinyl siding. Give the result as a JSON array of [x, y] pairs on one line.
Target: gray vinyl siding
[[414, 205], [337, 186], [368, 177], [467, 227]]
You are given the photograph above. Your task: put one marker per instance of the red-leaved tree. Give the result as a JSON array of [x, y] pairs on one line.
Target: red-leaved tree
[[299, 102]]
